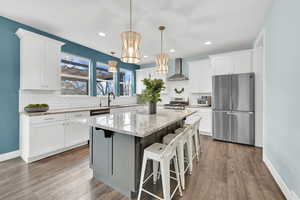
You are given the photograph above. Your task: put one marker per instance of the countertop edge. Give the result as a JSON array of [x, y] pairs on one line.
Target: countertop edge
[[80, 109]]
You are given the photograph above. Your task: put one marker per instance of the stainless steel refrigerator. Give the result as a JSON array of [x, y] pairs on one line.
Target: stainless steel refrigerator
[[233, 108]]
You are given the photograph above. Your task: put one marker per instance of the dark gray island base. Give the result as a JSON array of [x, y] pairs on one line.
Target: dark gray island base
[[116, 158], [118, 140]]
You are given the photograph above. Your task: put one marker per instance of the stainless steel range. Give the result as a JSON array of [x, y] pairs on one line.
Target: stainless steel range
[[177, 104]]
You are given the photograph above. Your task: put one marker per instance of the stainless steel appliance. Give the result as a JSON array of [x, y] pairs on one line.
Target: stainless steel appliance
[[233, 108], [177, 104], [204, 101], [178, 76]]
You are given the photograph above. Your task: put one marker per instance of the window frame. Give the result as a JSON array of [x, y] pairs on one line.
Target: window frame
[[131, 82], [114, 79], [89, 82]]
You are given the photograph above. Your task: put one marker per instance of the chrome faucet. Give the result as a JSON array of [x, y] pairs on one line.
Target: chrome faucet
[[108, 98]]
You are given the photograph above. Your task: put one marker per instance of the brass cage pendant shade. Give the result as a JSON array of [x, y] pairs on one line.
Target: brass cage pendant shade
[[131, 44], [162, 59], [162, 63], [131, 51], [112, 66]]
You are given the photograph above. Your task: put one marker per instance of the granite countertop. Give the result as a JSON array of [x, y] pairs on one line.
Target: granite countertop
[[80, 109], [138, 122]]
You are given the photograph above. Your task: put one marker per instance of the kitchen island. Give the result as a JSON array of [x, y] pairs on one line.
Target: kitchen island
[[117, 142]]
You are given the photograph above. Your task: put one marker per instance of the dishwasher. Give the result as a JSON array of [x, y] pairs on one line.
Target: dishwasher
[[93, 113]]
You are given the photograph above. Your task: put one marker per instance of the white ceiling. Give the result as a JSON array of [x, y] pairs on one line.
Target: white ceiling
[[229, 24]]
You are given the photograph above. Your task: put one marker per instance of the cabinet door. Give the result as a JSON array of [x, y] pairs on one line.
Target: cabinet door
[[46, 138], [200, 74], [102, 154], [206, 121], [76, 133], [32, 62], [222, 65], [123, 161], [51, 69], [243, 62]]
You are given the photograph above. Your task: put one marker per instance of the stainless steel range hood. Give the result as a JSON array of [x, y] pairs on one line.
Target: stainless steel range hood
[[178, 76]]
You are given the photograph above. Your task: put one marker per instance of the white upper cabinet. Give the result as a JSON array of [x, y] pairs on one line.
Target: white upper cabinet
[[232, 63], [51, 75], [222, 65], [243, 62], [200, 76], [40, 61]]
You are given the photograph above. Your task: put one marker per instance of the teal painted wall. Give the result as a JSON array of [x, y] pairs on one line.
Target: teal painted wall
[[10, 75], [282, 93]]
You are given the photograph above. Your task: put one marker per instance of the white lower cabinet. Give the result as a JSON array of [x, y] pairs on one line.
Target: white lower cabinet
[[45, 138], [206, 121], [76, 133], [46, 135]]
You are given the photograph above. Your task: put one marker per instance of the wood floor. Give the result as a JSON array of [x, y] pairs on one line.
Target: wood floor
[[225, 172]]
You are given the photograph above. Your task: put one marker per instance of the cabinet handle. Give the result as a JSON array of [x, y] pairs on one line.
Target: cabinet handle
[[49, 118]]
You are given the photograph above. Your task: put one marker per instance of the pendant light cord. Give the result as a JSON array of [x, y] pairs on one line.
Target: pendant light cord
[[130, 15], [161, 41]]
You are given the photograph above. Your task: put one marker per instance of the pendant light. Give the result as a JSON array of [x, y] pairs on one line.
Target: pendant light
[[162, 59], [131, 42], [112, 64]]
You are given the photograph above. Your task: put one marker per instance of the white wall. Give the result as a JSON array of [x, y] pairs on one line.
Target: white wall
[[282, 96], [56, 101]]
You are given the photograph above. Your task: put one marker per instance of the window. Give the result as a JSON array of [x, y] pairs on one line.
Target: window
[[126, 80], [105, 80], [74, 75]]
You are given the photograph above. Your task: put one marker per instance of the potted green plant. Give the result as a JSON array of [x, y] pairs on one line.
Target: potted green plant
[[152, 92], [36, 108]]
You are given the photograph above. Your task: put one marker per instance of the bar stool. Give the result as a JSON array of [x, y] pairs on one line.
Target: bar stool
[[184, 140], [163, 155], [194, 135], [190, 135]]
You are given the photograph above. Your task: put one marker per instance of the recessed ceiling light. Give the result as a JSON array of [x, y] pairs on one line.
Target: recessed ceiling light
[[145, 56], [101, 34], [172, 50], [208, 43]]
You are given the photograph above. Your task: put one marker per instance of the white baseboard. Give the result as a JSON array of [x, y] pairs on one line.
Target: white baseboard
[[205, 133], [289, 194], [9, 155], [36, 158]]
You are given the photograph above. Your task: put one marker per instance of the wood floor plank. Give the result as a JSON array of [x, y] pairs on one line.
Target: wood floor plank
[[225, 171]]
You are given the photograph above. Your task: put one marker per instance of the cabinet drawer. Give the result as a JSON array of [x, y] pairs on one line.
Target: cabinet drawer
[[47, 118]]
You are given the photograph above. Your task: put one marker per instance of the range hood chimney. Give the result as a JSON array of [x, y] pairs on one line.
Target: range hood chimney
[[178, 76]]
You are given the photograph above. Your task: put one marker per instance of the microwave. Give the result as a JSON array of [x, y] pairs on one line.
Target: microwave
[[204, 101]]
